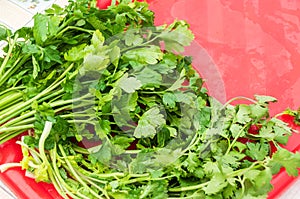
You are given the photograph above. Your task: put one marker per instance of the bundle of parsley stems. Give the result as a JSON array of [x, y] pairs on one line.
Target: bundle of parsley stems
[[112, 109]]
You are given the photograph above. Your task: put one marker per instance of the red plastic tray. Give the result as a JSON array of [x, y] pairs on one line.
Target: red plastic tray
[[242, 47]]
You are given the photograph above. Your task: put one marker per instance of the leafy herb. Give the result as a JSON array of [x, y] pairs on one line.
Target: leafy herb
[[118, 112]]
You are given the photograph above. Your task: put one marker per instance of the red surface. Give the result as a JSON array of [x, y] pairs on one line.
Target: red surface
[[243, 47]]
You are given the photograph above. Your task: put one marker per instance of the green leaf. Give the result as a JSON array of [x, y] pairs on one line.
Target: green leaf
[[122, 141], [40, 30], [282, 131], [266, 131], [97, 39], [252, 175], [163, 136], [289, 160], [149, 78], [149, 122], [263, 99], [237, 130], [31, 49], [242, 115], [142, 162], [129, 84], [192, 162], [133, 38], [281, 135], [104, 128], [114, 55], [94, 63], [216, 184], [257, 111], [175, 39], [229, 191], [232, 159], [165, 156], [262, 182], [52, 54], [103, 152], [240, 146], [155, 190], [257, 151], [179, 82], [4, 32], [36, 67], [75, 53], [53, 25], [211, 168], [169, 99], [144, 55]]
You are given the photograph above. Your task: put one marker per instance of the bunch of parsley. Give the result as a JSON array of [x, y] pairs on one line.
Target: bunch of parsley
[[114, 110]]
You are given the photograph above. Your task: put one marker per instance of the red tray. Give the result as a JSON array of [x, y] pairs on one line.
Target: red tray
[[242, 47]]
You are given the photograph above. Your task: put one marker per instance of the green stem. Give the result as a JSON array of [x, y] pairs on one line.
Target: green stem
[[74, 173], [242, 182], [27, 121], [19, 119], [74, 28], [189, 188], [63, 184], [104, 192], [4, 92], [13, 69], [131, 181], [16, 128], [42, 154], [8, 101], [80, 149], [26, 105], [141, 45], [6, 59], [241, 172], [236, 138], [4, 137], [238, 98]]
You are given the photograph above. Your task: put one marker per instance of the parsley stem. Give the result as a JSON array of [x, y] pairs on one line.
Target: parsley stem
[[134, 180], [74, 28], [238, 98], [42, 154], [5, 92], [28, 121], [13, 69], [74, 173], [63, 184], [9, 135], [189, 188], [236, 138], [13, 97], [16, 128], [141, 45], [240, 172], [9, 52], [104, 192], [132, 151], [26, 105], [5, 166], [113, 3]]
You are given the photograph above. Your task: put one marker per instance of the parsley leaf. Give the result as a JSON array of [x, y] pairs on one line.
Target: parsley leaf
[[287, 159], [149, 123], [257, 151]]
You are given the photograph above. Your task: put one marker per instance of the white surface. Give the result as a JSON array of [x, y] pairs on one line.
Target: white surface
[[5, 193]]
